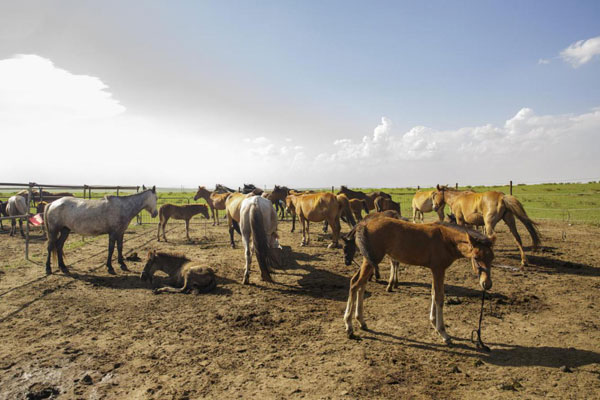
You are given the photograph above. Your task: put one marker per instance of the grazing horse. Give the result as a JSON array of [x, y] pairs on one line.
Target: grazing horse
[[258, 225], [250, 188], [487, 209], [183, 273], [422, 203], [383, 204], [111, 215], [368, 197], [350, 247], [16, 205], [277, 196], [435, 246], [346, 214], [216, 201], [318, 207], [185, 212]]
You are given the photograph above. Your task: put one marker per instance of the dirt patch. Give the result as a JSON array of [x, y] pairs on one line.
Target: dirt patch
[[94, 335]]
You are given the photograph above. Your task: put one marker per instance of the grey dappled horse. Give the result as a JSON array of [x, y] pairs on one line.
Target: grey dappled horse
[[16, 205], [111, 215], [258, 226]]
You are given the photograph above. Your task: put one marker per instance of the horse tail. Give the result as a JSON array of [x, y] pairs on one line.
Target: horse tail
[[344, 205], [515, 206], [365, 205], [362, 242], [259, 240]]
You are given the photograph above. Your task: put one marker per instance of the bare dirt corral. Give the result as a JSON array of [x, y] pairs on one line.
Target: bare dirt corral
[[92, 335]]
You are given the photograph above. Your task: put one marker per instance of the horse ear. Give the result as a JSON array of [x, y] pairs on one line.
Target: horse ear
[[143, 187], [438, 186], [154, 189]]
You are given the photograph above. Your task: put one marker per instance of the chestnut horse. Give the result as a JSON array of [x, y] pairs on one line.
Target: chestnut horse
[[435, 246], [184, 212], [488, 208], [350, 247], [422, 203], [216, 201], [318, 207], [290, 206], [368, 197], [357, 206]]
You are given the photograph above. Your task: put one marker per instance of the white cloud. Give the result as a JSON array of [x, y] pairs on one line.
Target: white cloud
[[581, 51], [33, 88], [543, 61]]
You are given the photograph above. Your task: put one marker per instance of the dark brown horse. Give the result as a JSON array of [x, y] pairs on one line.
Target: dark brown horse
[[277, 197], [185, 212], [368, 197], [383, 204], [184, 274], [357, 206], [435, 246]]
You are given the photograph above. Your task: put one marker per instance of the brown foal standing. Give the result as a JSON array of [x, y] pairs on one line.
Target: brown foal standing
[[185, 212]]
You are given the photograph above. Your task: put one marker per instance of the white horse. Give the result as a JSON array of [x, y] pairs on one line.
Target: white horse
[[16, 205], [111, 215], [258, 220]]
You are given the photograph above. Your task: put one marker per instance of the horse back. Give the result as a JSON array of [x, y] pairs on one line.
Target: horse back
[[318, 206]]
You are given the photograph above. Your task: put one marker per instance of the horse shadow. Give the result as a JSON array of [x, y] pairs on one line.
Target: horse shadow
[[131, 281], [456, 291], [552, 265], [505, 355], [318, 283]]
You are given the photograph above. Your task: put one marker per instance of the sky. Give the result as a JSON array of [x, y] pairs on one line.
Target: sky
[[299, 93]]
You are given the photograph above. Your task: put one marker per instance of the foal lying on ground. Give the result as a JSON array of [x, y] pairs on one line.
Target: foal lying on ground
[[435, 246], [183, 273]]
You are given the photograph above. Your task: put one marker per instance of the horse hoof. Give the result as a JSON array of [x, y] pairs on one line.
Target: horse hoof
[[448, 341], [111, 271], [332, 246], [48, 271], [124, 267], [352, 336], [388, 289], [64, 270]]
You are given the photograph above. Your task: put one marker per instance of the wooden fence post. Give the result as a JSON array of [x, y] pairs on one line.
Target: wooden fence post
[[332, 190], [511, 188], [456, 185]]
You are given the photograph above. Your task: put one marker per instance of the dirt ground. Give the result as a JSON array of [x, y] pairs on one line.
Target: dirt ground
[[92, 335]]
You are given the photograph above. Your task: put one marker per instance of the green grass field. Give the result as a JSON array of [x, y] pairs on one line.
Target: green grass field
[[568, 202]]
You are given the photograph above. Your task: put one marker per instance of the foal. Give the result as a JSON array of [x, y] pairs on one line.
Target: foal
[[185, 212], [435, 246], [182, 272]]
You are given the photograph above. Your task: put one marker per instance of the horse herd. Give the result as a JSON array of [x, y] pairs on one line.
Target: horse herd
[[252, 214]]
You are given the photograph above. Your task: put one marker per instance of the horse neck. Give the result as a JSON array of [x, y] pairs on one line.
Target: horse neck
[[136, 203], [451, 195], [459, 245], [206, 195]]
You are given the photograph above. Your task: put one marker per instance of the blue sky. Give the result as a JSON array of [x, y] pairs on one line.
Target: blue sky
[[305, 86]]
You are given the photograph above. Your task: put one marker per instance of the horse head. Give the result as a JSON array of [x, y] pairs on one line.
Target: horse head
[[438, 198], [349, 249], [482, 255], [151, 201], [150, 267], [200, 193]]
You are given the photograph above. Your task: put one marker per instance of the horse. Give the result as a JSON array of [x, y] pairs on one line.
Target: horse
[[185, 212], [435, 246], [383, 204], [110, 215], [277, 196], [316, 208], [216, 201], [258, 224], [357, 206], [421, 203], [183, 272], [223, 189], [3, 212], [250, 188], [487, 209], [290, 206], [44, 195], [233, 205], [16, 205], [350, 247], [346, 214], [368, 197]]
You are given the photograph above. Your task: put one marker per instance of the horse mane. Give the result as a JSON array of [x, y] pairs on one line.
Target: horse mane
[[178, 256]]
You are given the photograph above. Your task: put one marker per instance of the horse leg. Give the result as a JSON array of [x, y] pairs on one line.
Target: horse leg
[[325, 226], [437, 289], [187, 230], [168, 289], [356, 296], [158, 232], [13, 227], [52, 237], [21, 227], [230, 223], [509, 220], [215, 216], [335, 229], [111, 249], [164, 226], [248, 254], [120, 258], [304, 229], [64, 234], [393, 281], [293, 222]]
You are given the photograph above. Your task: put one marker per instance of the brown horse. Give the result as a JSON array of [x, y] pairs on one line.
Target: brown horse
[[422, 203], [318, 207], [290, 206], [350, 247], [384, 204], [183, 273], [487, 209], [357, 206], [368, 197], [277, 197], [233, 205], [435, 246], [216, 201], [185, 212]]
